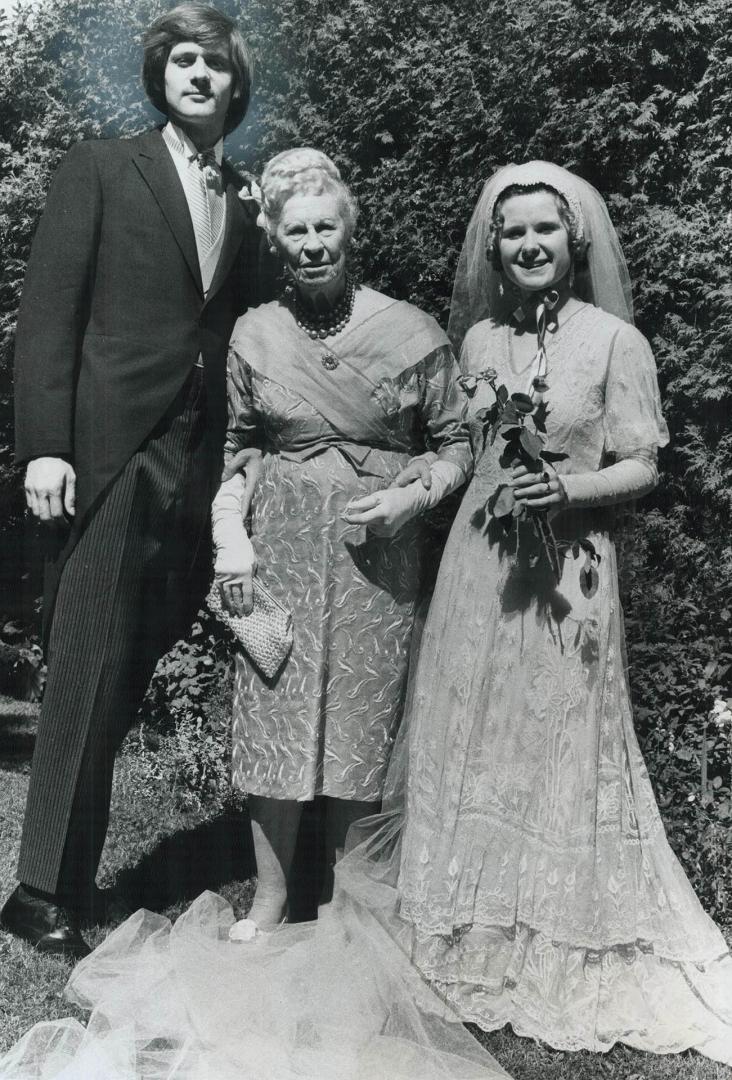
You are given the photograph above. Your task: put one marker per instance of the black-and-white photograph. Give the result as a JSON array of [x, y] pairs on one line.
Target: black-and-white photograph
[[365, 540]]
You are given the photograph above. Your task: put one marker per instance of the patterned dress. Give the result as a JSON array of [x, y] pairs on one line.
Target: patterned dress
[[325, 724], [535, 873]]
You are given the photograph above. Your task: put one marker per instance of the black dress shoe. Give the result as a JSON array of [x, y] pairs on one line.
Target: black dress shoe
[[47, 926]]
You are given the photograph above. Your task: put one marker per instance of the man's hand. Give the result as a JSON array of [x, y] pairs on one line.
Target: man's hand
[[50, 489], [250, 463]]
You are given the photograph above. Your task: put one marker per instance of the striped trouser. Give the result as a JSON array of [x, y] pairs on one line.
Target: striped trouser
[[124, 595]]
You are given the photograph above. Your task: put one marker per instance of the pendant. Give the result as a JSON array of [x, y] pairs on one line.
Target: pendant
[[329, 362]]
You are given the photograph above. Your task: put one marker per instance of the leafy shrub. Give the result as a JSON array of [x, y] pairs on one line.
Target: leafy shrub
[[681, 662], [185, 731], [191, 675], [190, 757]]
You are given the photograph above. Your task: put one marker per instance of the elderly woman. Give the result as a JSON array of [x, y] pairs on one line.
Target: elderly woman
[[337, 385]]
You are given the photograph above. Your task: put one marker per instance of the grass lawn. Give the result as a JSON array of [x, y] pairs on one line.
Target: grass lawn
[[162, 857]]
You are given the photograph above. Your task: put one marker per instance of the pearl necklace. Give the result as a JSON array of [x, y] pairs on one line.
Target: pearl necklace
[[332, 322]]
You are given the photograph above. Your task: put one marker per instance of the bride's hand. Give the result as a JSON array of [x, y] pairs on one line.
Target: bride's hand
[[540, 491]]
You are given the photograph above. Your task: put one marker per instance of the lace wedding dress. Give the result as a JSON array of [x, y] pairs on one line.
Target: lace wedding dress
[[535, 872]]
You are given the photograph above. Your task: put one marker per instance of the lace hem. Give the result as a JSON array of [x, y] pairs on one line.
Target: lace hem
[[574, 998]]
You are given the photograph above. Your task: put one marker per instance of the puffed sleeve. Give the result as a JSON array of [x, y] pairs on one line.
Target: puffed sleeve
[[441, 410], [633, 418], [245, 425]]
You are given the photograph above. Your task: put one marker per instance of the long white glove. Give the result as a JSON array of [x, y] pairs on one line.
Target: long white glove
[[629, 478], [235, 563], [386, 511]]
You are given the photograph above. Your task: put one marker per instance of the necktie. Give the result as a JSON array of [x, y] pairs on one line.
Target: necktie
[[207, 203]]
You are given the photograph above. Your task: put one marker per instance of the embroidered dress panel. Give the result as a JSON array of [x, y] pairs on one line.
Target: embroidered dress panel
[[326, 724]]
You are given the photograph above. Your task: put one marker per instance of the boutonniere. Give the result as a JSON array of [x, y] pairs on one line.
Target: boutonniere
[[250, 190]]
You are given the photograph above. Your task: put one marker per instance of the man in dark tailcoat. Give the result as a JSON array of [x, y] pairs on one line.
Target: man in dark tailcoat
[[146, 253]]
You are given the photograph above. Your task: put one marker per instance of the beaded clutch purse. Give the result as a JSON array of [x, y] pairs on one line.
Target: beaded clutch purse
[[265, 634]]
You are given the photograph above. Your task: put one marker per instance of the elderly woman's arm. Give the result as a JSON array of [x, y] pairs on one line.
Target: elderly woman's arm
[[244, 435], [442, 411], [445, 467], [235, 562]]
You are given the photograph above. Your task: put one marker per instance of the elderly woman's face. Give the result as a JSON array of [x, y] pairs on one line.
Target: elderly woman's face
[[311, 238], [534, 243]]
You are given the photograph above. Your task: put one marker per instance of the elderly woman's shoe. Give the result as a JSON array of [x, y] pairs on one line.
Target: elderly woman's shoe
[[248, 929]]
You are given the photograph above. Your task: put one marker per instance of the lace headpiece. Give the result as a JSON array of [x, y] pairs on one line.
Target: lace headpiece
[[533, 173], [604, 281]]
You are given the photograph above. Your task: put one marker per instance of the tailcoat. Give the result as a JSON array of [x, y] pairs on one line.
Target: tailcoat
[[121, 370], [113, 314]]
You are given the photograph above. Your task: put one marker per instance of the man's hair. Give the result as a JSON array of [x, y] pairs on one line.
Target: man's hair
[[205, 26]]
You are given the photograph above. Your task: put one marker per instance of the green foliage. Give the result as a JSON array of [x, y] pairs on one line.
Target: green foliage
[[418, 103], [190, 675], [191, 760], [681, 662], [185, 735]]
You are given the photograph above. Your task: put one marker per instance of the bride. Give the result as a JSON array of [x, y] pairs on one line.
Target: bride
[[519, 872], [536, 879]]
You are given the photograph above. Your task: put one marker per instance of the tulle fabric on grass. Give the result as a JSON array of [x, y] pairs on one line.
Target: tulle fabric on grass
[[335, 999]]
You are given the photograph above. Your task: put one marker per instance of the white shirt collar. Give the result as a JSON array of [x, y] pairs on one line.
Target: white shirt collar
[[179, 142]]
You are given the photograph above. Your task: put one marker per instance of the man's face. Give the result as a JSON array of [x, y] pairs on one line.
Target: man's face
[[198, 87]]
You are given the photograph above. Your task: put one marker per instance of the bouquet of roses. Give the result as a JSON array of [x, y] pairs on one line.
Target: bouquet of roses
[[520, 421]]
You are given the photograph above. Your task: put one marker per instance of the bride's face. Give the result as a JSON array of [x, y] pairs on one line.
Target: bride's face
[[534, 242]]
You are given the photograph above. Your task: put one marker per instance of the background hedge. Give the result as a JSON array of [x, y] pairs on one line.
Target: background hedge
[[418, 103]]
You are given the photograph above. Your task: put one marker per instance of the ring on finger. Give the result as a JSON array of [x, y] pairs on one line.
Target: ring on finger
[[545, 476]]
